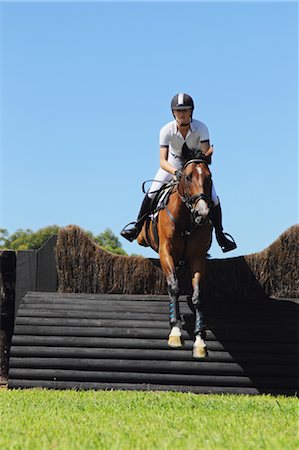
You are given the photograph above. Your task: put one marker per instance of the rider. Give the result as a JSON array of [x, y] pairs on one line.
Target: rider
[[183, 133]]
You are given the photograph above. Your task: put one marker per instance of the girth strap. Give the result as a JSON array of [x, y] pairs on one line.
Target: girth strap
[[170, 215]]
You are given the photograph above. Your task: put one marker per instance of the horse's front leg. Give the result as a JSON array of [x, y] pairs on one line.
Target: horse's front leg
[[199, 347], [168, 267], [175, 336]]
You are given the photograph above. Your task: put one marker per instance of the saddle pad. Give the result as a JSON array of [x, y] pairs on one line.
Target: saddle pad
[[160, 201]]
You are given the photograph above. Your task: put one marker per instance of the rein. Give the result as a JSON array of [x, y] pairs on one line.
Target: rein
[[162, 188]]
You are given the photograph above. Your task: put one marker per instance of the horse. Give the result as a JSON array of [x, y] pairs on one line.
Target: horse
[[182, 234]]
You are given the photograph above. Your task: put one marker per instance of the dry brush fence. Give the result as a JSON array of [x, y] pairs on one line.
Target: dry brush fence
[[84, 267]]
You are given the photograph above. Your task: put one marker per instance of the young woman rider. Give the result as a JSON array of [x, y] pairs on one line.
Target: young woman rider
[[175, 137]]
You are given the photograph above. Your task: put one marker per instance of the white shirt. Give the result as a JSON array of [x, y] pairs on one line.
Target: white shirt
[[171, 137]]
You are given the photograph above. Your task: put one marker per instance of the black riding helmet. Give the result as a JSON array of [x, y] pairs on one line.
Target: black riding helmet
[[182, 101]]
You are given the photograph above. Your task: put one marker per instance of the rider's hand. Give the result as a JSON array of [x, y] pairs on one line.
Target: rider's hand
[[177, 175], [210, 151]]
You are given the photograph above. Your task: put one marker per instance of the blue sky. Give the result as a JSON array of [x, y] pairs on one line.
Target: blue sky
[[86, 88]]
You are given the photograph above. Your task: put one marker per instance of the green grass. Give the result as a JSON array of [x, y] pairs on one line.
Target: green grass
[[45, 419]]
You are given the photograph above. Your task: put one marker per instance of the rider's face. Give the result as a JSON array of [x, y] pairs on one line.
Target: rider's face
[[182, 115]]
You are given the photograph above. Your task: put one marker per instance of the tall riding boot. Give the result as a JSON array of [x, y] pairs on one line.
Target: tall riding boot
[[226, 244], [132, 232]]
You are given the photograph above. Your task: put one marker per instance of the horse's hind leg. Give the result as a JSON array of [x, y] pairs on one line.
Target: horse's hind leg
[[199, 347]]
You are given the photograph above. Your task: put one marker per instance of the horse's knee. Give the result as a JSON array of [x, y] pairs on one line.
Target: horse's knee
[[196, 299], [174, 291], [173, 287]]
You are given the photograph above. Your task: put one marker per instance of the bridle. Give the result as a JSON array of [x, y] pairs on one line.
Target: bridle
[[190, 201]]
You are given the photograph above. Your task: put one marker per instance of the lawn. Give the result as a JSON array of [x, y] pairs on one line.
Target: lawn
[[48, 419]]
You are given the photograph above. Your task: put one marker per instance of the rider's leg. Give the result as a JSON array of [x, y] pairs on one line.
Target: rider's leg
[[225, 240], [132, 232]]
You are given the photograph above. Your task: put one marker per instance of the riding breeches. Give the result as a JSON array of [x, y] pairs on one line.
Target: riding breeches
[[162, 177]]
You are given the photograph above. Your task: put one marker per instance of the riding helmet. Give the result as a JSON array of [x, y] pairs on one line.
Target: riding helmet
[[182, 101]]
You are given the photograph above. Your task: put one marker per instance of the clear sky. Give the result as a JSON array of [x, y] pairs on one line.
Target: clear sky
[[86, 87]]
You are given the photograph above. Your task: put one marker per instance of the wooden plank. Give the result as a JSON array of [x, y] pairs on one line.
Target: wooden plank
[[7, 306], [211, 320], [115, 342], [149, 354], [91, 296], [157, 366], [107, 314], [25, 274], [260, 328], [82, 322], [46, 266], [159, 378], [154, 333]]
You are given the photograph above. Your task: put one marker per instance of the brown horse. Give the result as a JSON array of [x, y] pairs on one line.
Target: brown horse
[[184, 237]]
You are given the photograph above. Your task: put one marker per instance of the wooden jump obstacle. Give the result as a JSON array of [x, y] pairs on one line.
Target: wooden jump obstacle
[[107, 341]]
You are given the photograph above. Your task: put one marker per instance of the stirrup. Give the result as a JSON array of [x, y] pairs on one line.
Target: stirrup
[[230, 244]]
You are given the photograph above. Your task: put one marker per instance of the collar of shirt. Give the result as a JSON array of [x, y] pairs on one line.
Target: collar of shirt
[[177, 131]]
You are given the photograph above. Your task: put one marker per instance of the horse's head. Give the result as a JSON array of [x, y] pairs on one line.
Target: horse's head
[[195, 189]]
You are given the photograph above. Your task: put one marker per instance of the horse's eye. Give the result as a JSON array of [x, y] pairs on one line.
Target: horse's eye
[[189, 178]]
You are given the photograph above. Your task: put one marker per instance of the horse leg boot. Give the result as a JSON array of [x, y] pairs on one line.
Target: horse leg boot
[[175, 336], [132, 233], [199, 347], [226, 244]]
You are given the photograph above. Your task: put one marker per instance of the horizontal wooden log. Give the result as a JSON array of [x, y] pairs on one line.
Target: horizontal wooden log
[[52, 298], [153, 333], [61, 299], [215, 315], [160, 309], [70, 302], [69, 313], [113, 342], [56, 297], [90, 296], [70, 322], [122, 322], [233, 322], [151, 354], [155, 366], [18, 383], [159, 378]]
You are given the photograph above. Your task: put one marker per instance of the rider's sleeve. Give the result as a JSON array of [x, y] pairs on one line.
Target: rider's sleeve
[[204, 133], [165, 136]]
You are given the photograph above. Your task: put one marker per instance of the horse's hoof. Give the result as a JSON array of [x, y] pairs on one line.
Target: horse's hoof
[[199, 352], [175, 341]]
